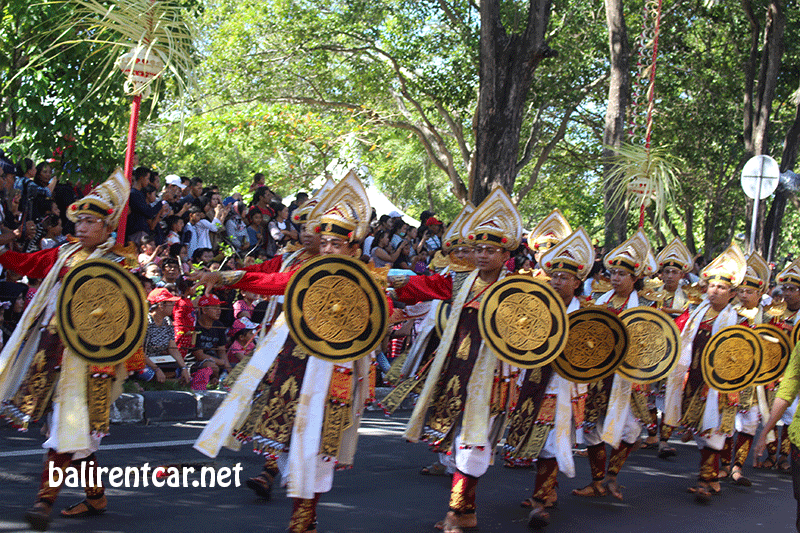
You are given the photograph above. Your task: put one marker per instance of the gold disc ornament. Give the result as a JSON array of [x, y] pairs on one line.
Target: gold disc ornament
[[101, 312], [777, 349], [654, 345], [335, 309], [795, 334], [732, 359], [595, 348], [524, 321]]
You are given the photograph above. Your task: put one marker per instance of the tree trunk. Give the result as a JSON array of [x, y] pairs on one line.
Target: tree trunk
[[760, 91], [507, 64], [614, 132]]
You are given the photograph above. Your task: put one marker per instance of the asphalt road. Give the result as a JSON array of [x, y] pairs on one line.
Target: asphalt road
[[384, 493]]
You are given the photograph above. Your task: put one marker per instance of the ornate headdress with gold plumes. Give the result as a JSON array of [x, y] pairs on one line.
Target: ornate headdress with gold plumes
[[756, 273], [675, 254], [790, 274], [300, 215], [574, 255], [345, 211], [630, 256], [551, 230], [452, 237], [728, 267], [495, 221], [105, 201]]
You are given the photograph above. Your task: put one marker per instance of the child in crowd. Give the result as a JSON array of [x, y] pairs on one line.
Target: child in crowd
[[52, 232], [175, 226], [243, 308], [243, 333], [149, 252]]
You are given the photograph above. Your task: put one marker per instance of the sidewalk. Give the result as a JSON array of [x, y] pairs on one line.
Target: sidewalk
[[177, 406]]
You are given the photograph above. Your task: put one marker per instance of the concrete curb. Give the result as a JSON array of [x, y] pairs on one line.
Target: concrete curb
[[178, 406]]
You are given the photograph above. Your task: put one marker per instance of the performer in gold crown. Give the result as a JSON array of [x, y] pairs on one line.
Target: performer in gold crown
[[751, 313], [553, 229], [74, 395], [778, 450], [674, 261], [702, 410], [615, 406], [540, 427], [328, 397], [457, 261], [463, 414]]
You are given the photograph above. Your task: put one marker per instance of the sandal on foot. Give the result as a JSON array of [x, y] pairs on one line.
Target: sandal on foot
[[38, 516], [737, 478], [261, 486], [767, 464], [614, 491], [701, 494], [665, 451], [783, 464], [590, 491], [538, 518], [84, 508], [436, 469]]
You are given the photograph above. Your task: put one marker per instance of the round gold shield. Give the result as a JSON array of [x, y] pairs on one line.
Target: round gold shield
[[442, 314], [524, 321], [654, 345], [595, 348], [334, 308], [101, 312], [732, 359], [777, 349], [795, 334]]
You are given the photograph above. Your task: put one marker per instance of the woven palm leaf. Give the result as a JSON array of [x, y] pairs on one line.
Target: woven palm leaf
[[641, 176], [163, 29]]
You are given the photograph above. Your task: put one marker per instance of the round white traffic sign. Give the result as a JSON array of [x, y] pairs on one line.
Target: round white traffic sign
[[763, 169]]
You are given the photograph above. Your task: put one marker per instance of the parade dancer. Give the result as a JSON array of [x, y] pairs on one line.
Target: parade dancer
[[74, 395], [690, 402], [462, 404]]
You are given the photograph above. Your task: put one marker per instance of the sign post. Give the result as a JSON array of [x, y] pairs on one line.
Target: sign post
[[760, 177]]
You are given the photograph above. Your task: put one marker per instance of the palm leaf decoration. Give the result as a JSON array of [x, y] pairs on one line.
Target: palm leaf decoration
[[157, 34], [640, 176]]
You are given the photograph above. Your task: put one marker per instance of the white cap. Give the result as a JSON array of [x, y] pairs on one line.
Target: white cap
[[395, 214], [174, 179]]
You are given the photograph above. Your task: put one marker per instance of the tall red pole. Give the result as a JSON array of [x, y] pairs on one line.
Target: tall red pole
[[132, 127]]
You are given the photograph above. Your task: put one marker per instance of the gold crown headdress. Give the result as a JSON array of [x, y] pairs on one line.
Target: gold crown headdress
[[675, 254], [106, 201], [630, 256], [756, 274], [452, 237], [650, 264], [574, 255], [300, 215], [728, 267], [495, 221], [551, 230], [345, 211], [790, 274]]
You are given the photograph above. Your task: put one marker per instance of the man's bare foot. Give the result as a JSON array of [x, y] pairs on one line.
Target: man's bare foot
[[538, 517], [456, 523]]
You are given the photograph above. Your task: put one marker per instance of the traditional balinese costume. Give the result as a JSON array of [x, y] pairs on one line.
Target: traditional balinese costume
[[674, 255], [748, 417], [39, 376], [786, 321], [708, 414], [463, 403], [615, 406], [308, 417], [549, 406]]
